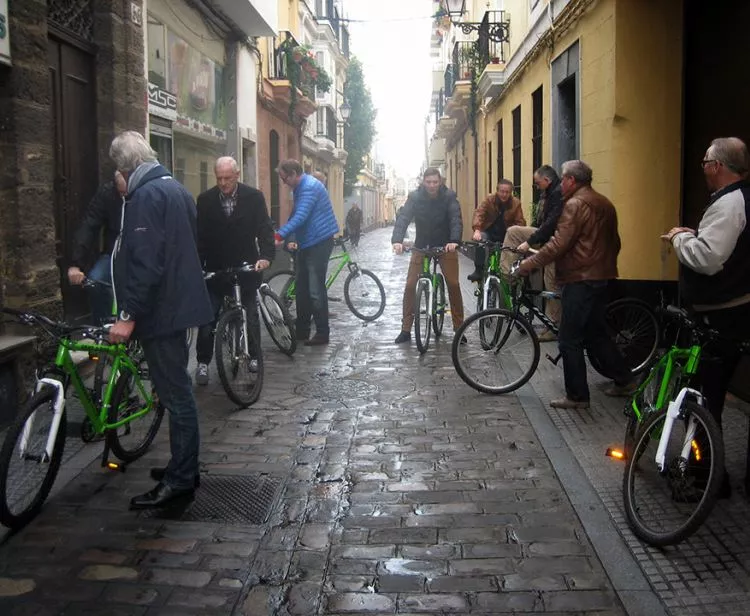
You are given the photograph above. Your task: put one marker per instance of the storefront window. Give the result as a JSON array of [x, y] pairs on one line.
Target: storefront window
[[194, 161], [157, 54]]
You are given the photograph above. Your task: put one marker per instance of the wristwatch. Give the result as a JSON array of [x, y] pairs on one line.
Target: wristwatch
[[124, 316]]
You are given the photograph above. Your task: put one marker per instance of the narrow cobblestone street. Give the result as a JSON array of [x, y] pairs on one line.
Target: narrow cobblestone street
[[366, 480]]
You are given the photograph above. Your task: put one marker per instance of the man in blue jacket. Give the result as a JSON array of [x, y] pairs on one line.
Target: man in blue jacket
[[313, 224], [160, 293]]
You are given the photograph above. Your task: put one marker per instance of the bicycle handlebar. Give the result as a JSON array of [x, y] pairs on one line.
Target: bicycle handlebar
[[245, 268], [701, 331], [59, 328], [90, 283]]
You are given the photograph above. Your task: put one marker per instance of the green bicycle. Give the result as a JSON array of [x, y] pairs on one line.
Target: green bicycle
[[430, 305], [363, 292], [673, 446], [128, 415]]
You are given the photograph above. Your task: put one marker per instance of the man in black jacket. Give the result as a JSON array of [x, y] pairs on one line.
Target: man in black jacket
[[104, 213], [233, 228], [160, 294], [437, 215], [544, 225]]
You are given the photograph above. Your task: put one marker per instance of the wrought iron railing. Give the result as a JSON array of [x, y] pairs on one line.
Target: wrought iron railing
[[326, 124], [439, 106], [463, 54], [448, 78], [278, 68], [494, 34]]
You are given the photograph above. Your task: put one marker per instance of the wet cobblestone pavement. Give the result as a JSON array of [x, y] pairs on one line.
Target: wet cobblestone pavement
[[379, 484]]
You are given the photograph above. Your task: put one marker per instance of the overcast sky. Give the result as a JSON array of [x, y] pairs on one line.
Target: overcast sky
[[395, 51]]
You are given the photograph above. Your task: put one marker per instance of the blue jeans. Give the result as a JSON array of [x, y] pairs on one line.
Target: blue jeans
[[311, 292], [101, 298], [167, 358], [583, 326]]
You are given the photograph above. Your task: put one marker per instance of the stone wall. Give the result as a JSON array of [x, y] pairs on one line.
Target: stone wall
[[29, 271]]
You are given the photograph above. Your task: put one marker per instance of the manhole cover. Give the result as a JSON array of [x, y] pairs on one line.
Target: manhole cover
[[227, 499], [336, 389]]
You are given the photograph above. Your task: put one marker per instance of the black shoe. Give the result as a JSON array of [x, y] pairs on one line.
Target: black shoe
[[403, 337], [161, 496], [316, 340], [157, 474], [475, 276]]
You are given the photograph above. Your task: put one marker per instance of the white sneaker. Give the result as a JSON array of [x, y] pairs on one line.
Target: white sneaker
[[201, 374]]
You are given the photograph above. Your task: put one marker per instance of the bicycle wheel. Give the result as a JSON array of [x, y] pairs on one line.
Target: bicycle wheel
[[288, 296], [422, 317], [278, 321], [633, 326], [503, 366], [438, 306], [277, 280], [663, 507], [490, 329], [131, 440], [27, 477], [240, 374], [364, 294]]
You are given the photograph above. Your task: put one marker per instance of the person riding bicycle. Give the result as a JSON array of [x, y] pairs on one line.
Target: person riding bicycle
[[103, 214], [437, 214], [232, 217], [544, 225], [714, 277], [496, 214], [585, 248]]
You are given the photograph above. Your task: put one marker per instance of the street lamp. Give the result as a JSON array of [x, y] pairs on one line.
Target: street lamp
[[455, 8], [497, 32], [345, 110]]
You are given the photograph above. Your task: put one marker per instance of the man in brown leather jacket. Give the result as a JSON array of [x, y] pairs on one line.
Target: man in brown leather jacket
[[584, 248], [492, 218]]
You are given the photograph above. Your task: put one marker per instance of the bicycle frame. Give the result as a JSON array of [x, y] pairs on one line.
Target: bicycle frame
[[428, 278], [344, 260], [690, 357], [65, 367]]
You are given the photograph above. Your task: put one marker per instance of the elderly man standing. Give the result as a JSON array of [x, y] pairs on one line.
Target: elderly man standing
[[585, 248], [160, 294], [233, 228], [715, 277], [313, 224]]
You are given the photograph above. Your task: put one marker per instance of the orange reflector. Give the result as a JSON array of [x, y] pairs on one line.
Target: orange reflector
[[696, 450], [113, 466], [615, 453], [93, 357]]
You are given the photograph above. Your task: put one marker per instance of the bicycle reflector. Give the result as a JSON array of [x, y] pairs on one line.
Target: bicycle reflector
[[617, 454], [696, 450], [93, 356], [113, 466]]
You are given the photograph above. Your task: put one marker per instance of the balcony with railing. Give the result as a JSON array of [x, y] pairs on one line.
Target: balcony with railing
[[492, 52], [277, 88], [326, 127]]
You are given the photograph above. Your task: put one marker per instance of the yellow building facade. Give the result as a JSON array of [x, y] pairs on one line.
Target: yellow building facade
[[599, 80]]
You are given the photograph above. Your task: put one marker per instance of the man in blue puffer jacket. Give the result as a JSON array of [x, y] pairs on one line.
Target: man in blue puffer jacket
[[313, 224]]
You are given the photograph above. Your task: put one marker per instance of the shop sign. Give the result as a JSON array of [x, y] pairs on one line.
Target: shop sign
[[4, 34], [197, 82], [161, 103]]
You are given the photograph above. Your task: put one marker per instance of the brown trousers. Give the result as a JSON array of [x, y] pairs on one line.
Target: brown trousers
[[449, 267], [514, 237]]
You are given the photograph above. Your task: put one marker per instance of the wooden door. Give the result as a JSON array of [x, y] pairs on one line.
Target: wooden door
[[73, 89]]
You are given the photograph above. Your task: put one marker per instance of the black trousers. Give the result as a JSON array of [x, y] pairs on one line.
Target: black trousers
[[311, 292], [719, 359], [583, 327], [204, 343]]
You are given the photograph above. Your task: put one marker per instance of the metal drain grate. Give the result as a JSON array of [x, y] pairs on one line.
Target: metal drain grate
[[336, 389], [228, 499]]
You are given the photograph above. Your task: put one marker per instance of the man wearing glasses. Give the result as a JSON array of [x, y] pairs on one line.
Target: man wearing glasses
[[715, 277], [313, 224]]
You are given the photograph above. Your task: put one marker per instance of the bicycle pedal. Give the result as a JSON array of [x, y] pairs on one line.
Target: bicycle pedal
[[335, 299]]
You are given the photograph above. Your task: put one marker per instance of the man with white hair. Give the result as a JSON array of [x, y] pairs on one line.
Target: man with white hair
[[584, 248], [233, 228], [715, 277], [160, 293]]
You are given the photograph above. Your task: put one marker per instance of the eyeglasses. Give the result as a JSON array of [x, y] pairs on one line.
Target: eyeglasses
[[706, 161]]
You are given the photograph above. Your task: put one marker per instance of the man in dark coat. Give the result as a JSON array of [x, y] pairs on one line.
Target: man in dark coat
[[354, 223], [160, 294], [103, 214], [233, 224], [437, 216]]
